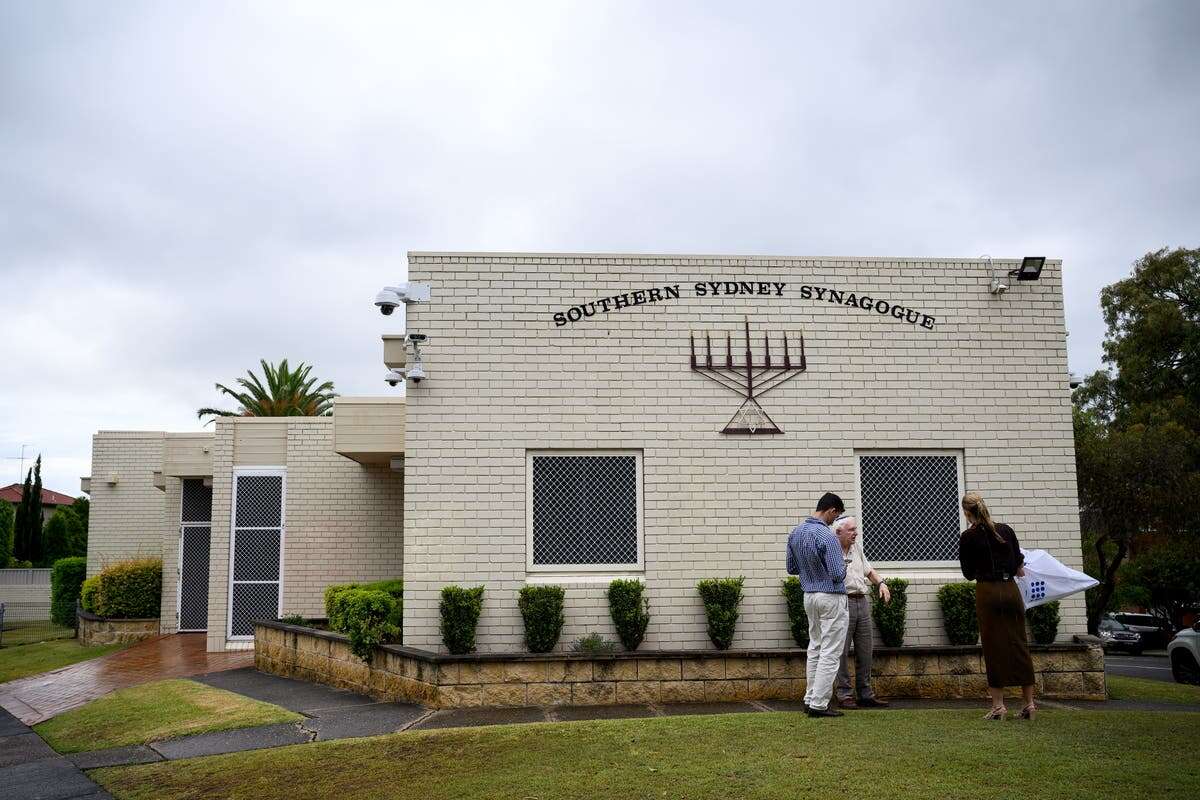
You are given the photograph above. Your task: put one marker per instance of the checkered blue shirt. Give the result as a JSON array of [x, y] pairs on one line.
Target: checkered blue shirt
[[815, 554]]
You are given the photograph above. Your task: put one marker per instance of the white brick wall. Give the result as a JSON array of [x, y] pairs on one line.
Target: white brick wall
[[343, 519], [126, 519], [989, 380]]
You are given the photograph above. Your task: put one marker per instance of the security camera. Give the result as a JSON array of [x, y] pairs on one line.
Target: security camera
[[395, 377], [388, 299], [417, 372], [417, 338], [407, 293]]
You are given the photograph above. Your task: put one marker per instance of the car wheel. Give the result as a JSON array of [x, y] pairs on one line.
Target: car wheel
[[1184, 668]]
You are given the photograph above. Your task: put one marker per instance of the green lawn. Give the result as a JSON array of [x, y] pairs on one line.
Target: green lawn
[[1122, 688], [155, 711], [28, 631], [30, 659], [918, 755]]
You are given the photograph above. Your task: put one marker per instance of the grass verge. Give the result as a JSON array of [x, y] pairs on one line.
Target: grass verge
[[1123, 688], [30, 659], [155, 711], [918, 755]]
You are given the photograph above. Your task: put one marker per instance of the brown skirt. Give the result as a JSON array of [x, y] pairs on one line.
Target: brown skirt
[[1001, 614]]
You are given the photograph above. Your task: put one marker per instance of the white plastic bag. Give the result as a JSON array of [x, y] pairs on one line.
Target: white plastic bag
[[1046, 579]]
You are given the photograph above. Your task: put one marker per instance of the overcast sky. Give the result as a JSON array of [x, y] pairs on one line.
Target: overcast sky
[[185, 188]]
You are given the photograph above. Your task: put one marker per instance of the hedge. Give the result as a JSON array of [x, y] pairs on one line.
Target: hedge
[[393, 587], [66, 579], [367, 618], [125, 590], [721, 597], [793, 593], [1043, 622], [630, 611], [891, 617], [958, 612], [460, 609], [542, 611]]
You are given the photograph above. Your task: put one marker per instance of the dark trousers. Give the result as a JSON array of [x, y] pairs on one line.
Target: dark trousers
[[858, 633]]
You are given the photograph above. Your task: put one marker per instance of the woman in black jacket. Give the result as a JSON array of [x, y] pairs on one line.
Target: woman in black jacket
[[990, 556]]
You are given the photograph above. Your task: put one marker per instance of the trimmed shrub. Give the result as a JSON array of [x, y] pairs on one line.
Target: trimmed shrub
[[958, 612], [890, 617], [460, 609], [129, 589], [8, 518], [66, 579], [721, 597], [87, 594], [594, 644], [294, 619], [542, 610], [1043, 622], [367, 615], [394, 587], [630, 611], [793, 593]]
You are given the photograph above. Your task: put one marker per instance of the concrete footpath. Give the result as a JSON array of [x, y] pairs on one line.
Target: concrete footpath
[[30, 770]]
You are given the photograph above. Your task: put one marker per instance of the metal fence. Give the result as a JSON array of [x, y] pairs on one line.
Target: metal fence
[[27, 622], [24, 577]]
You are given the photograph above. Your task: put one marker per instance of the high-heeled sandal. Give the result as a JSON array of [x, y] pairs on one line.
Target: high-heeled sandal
[[998, 713], [1029, 711]]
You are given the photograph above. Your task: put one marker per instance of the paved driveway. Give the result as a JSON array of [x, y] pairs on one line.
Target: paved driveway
[[1155, 668], [40, 697]]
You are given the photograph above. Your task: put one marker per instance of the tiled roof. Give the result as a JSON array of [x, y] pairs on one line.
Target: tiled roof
[[12, 493]]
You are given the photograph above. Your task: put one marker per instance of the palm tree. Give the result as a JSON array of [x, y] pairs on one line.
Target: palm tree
[[288, 393]]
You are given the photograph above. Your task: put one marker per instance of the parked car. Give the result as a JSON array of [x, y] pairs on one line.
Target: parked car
[[1155, 632], [1118, 636], [1184, 651]]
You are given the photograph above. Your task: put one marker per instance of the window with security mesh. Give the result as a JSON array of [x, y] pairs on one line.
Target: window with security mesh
[[257, 549], [910, 506], [584, 509]]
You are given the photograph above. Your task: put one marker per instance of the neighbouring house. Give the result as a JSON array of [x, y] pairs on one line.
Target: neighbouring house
[[51, 499], [582, 417]]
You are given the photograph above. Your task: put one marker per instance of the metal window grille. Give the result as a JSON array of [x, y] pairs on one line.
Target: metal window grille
[[256, 550], [910, 507], [195, 536], [584, 509]]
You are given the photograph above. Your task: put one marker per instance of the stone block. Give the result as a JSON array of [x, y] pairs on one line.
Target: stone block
[[340, 651], [746, 668], [622, 670], [638, 692], [505, 694], [525, 672], [1063, 684], [681, 691], [549, 694], [1094, 686], [938, 687], [460, 696], [580, 671], [972, 687], [777, 689], [703, 669], [480, 672], [596, 693], [787, 667], [556, 671], [959, 664], [726, 690], [660, 669], [914, 664], [313, 644], [896, 686], [1090, 660]]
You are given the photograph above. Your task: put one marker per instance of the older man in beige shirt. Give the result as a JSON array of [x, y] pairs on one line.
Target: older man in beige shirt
[[859, 575]]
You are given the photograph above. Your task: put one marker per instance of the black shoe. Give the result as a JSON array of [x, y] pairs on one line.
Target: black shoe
[[847, 702], [824, 712], [872, 702]]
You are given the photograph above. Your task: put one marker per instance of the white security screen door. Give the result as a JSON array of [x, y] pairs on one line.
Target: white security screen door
[[195, 533], [256, 549]]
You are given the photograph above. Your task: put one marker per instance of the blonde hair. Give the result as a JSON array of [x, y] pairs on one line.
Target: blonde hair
[[977, 512]]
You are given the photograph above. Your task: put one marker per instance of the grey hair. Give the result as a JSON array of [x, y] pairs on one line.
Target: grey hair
[[841, 521]]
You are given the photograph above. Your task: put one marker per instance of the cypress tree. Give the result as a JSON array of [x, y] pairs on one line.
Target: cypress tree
[[7, 517], [21, 526], [27, 538]]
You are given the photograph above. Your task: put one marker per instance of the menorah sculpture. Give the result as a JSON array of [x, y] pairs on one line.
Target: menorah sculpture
[[749, 379]]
